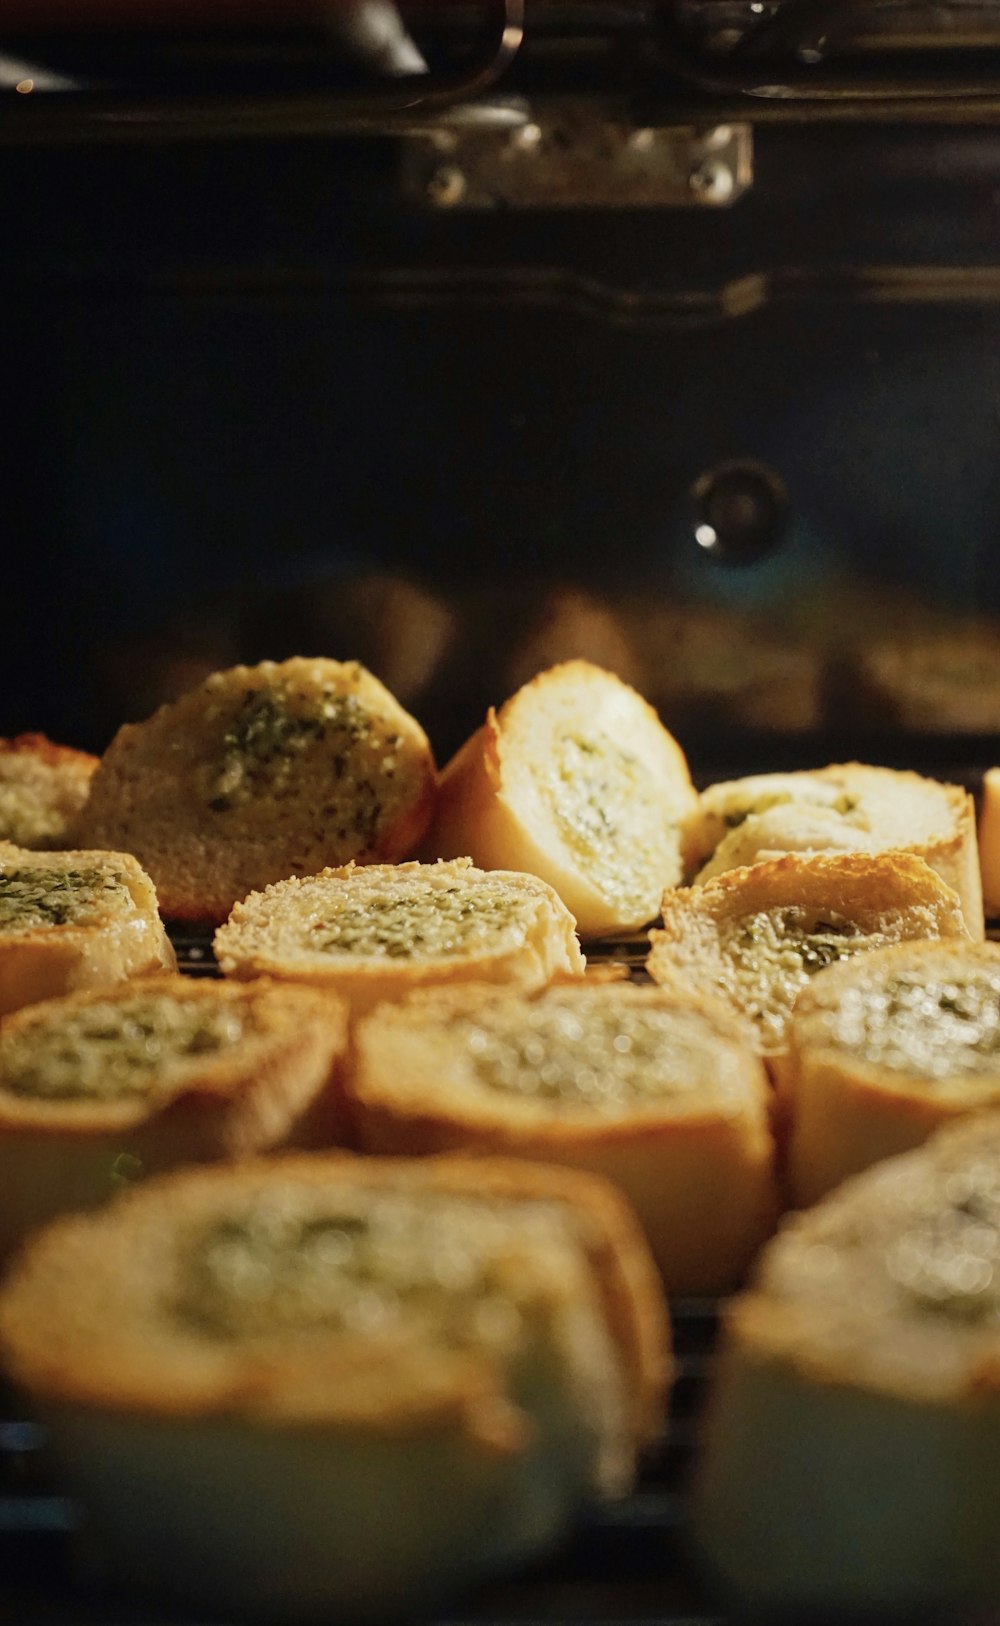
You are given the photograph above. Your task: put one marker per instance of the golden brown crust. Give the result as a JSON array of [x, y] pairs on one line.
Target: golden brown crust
[[115, 942], [695, 1162], [110, 1345], [42, 789], [846, 806], [732, 935], [260, 773], [849, 1109], [261, 936], [509, 801], [279, 1082]]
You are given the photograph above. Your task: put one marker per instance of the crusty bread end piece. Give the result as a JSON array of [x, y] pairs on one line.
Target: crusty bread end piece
[[576, 780], [259, 773]]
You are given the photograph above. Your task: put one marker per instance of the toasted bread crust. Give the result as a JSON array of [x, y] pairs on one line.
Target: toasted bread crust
[[865, 899], [260, 773], [277, 1082], [261, 936], [848, 806], [849, 1109], [43, 786], [695, 1161], [125, 939], [608, 848]]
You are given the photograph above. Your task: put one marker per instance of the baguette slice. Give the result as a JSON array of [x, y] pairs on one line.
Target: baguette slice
[[338, 1388], [576, 780], [378, 932], [848, 807], [883, 1050], [989, 841], [259, 773], [101, 1087], [42, 789], [756, 936], [75, 920], [851, 1456], [659, 1092]]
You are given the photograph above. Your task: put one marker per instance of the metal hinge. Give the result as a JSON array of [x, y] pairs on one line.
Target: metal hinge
[[573, 157]]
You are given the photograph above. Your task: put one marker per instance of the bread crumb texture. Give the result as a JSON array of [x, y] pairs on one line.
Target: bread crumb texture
[[260, 773]]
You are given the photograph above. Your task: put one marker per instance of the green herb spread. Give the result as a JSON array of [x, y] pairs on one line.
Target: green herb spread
[[926, 1026], [38, 897], [112, 1049], [421, 921]]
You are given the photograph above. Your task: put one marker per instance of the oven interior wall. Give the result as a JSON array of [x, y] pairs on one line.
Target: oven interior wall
[[258, 404]]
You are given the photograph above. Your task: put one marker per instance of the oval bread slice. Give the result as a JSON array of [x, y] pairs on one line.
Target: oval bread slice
[[378, 932], [100, 1088], [883, 1050], [75, 920], [259, 773], [42, 789], [337, 1388], [851, 1456], [757, 935], [848, 807], [576, 780], [660, 1092]]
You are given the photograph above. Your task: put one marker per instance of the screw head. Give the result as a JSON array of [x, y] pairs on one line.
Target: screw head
[[713, 182]]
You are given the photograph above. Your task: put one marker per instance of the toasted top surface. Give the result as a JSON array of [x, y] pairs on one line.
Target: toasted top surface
[[758, 935], [893, 1281], [588, 766], [923, 1015], [42, 789], [135, 1045], [391, 913], [346, 1290], [39, 891], [262, 772], [845, 807], [592, 1054]]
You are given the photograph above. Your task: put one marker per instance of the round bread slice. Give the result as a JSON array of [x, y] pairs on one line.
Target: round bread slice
[[43, 786], [576, 780], [339, 1388], [848, 807], [883, 1050], [660, 1092], [756, 936], [75, 920], [260, 773], [378, 932], [100, 1088], [850, 1462]]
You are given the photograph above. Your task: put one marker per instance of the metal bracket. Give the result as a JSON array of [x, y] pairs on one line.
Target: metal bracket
[[573, 157]]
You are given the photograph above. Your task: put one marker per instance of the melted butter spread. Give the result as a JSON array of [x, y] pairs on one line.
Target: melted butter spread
[[610, 816], [599, 1053], [933, 1027], [421, 920], [770, 956], [373, 1264], [30, 898], [109, 1050], [262, 749]]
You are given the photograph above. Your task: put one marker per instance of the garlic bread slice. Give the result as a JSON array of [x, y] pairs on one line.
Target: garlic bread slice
[[576, 780], [75, 920], [339, 1388], [43, 786]]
